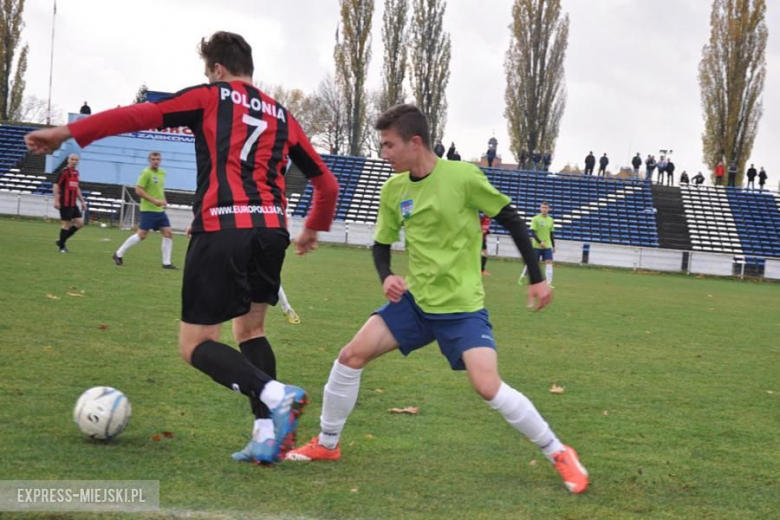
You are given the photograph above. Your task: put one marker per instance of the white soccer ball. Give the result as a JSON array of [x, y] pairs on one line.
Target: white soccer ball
[[103, 225], [102, 412]]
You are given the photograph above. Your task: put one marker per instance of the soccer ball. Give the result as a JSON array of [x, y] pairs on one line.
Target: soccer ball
[[102, 412], [103, 225]]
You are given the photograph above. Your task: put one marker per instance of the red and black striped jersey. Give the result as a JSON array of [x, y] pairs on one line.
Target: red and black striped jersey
[[68, 182], [242, 140]]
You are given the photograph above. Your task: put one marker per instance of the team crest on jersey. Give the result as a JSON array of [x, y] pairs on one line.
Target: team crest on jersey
[[406, 208], [154, 180]]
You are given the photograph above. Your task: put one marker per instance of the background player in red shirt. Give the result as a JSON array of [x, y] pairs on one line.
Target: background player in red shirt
[[239, 231], [66, 192], [484, 221]]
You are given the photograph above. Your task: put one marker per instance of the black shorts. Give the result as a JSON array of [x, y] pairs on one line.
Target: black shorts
[[225, 271], [69, 213]]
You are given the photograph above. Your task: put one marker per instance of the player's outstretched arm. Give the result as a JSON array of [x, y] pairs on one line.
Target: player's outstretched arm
[[539, 293], [46, 140]]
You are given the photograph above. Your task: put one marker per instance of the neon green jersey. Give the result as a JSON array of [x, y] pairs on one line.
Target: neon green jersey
[[153, 183], [543, 226], [440, 217]]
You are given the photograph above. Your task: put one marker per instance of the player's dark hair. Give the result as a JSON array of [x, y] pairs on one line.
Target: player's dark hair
[[229, 50], [407, 121]]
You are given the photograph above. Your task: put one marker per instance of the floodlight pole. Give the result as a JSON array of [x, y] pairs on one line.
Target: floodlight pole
[[51, 63]]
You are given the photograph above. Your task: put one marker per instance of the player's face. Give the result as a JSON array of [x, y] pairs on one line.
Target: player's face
[[73, 161], [154, 161], [544, 209], [401, 154]]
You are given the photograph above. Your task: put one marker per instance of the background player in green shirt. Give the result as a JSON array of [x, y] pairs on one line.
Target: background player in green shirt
[[543, 239], [151, 189], [442, 298]]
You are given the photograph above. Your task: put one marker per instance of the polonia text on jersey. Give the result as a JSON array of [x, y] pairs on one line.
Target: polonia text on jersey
[[255, 104]]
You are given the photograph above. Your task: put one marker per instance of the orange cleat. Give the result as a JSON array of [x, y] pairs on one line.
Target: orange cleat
[[314, 451], [574, 474]]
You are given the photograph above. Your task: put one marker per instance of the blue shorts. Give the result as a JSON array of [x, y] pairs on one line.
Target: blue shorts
[[153, 220], [544, 254], [456, 333]]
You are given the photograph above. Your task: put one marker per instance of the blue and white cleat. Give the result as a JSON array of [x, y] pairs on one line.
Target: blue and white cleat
[[258, 452], [285, 416]]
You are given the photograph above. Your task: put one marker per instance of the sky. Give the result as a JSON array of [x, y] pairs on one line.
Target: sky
[[631, 66]]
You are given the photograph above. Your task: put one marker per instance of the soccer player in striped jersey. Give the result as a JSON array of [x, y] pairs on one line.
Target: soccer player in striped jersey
[[66, 192], [239, 231]]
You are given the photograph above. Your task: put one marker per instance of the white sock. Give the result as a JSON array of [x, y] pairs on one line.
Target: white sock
[[525, 270], [167, 248], [263, 430], [130, 242], [520, 412], [339, 399], [549, 273], [272, 394], [283, 300]]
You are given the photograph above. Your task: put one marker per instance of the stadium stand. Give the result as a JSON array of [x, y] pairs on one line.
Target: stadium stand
[[585, 208], [757, 220]]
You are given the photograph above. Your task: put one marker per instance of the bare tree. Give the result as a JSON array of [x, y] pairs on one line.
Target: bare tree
[[395, 38], [11, 91], [374, 108], [535, 81], [35, 110], [329, 129], [731, 77], [430, 62], [301, 105], [352, 56]]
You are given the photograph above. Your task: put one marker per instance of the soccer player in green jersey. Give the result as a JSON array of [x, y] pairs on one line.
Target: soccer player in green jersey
[[151, 189], [543, 239], [442, 298]]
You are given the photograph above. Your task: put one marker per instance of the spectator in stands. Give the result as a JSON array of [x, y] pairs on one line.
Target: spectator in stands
[[590, 163], [67, 191], [698, 179], [636, 162], [661, 169], [490, 156], [650, 165], [523, 159], [546, 161], [484, 222], [684, 178], [456, 156], [603, 162], [751, 177], [239, 233], [733, 174], [439, 149], [720, 171], [761, 179], [85, 109], [451, 152], [152, 217], [536, 159], [543, 240], [670, 173]]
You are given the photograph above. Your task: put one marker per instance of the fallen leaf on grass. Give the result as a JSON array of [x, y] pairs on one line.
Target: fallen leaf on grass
[[605, 413], [411, 410], [155, 437], [369, 437], [533, 463], [76, 295], [353, 490], [52, 296], [379, 390], [49, 348], [102, 326], [555, 389], [168, 435]]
